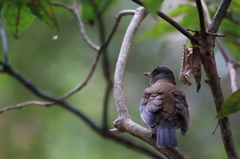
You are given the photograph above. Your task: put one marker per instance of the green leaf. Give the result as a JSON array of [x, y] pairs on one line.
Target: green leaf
[[18, 17], [231, 105], [43, 10], [152, 5]]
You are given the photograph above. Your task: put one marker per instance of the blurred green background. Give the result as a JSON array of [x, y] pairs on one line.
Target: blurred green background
[[57, 66]]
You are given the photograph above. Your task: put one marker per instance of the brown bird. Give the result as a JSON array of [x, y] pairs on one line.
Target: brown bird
[[164, 108]]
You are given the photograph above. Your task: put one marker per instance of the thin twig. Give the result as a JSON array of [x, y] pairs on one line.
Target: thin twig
[[60, 4], [105, 63], [75, 12], [213, 34], [20, 105], [118, 19], [4, 41], [77, 4], [201, 18], [83, 32], [215, 129]]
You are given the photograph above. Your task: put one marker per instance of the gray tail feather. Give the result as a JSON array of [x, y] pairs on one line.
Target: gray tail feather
[[166, 136]]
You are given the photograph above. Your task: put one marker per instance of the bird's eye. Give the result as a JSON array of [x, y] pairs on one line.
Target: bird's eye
[[154, 73]]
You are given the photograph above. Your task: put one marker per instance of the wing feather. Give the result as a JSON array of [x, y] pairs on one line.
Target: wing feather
[[149, 105], [182, 110]]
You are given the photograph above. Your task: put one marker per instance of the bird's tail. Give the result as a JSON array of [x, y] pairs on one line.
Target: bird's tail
[[166, 134]]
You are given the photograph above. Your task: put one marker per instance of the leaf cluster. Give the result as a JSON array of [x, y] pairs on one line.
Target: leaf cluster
[[19, 15]]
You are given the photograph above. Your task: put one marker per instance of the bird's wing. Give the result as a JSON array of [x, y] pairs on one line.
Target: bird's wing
[[182, 110], [149, 105]]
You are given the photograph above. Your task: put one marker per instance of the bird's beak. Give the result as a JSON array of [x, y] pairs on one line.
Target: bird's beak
[[149, 74]]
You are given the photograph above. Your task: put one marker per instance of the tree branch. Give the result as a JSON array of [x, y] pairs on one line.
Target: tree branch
[[209, 64], [201, 18], [105, 63], [230, 64], [123, 123], [74, 10], [219, 15], [20, 105]]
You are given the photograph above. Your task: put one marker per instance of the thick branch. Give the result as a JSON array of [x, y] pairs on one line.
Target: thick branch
[[123, 122], [127, 125], [219, 15], [122, 60], [209, 64], [230, 64]]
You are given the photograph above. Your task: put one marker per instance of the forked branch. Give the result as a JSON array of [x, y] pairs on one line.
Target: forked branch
[[124, 123], [230, 64]]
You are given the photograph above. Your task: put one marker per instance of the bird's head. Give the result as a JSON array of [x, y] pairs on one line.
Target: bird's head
[[161, 73]]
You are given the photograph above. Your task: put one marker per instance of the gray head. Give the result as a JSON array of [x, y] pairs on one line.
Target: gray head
[[161, 73]]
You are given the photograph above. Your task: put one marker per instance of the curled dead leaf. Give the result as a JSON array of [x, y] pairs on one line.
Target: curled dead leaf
[[191, 63]]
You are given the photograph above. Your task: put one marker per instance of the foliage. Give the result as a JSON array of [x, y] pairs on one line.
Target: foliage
[[19, 15], [231, 105]]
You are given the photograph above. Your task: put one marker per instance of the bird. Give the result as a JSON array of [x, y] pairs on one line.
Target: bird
[[163, 108]]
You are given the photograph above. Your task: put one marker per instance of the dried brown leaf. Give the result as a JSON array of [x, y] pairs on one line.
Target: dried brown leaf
[[186, 65], [196, 66], [191, 63]]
